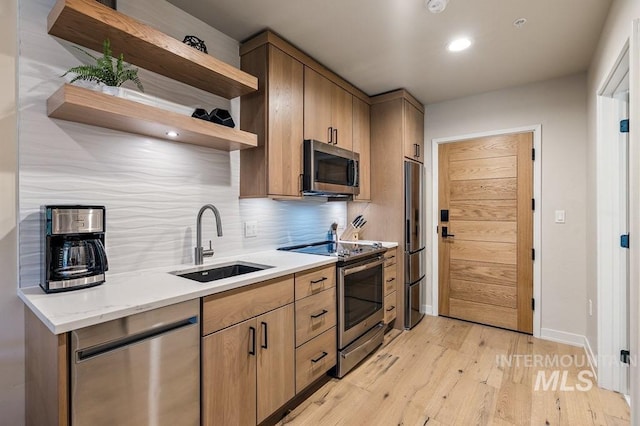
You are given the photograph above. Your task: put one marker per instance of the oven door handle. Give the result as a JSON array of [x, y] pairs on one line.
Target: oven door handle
[[349, 271]]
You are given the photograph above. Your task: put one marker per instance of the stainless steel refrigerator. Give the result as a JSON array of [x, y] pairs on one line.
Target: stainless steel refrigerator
[[414, 249]]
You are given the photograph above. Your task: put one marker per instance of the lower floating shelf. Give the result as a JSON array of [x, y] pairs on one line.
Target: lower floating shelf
[[73, 103]]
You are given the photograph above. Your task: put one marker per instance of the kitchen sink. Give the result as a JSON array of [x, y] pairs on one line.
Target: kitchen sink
[[205, 274]]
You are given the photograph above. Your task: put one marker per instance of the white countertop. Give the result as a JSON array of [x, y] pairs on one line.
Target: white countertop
[[130, 293]]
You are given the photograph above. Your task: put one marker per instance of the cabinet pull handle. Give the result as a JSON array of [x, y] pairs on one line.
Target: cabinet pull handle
[[418, 149], [318, 281], [335, 142], [391, 308], [324, 312], [390, 280], [314, 360], [330, 139], [300, 183], [253, 340], [264, 345], [390, 257]]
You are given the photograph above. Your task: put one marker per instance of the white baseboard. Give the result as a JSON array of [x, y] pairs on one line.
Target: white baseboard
[[427, 309], [593, 361], [562, 337]]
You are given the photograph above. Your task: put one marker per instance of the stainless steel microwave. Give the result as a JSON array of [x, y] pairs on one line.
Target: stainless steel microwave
[[329, 170]]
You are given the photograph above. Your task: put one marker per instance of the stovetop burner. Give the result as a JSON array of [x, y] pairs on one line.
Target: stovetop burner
[[343, 250]]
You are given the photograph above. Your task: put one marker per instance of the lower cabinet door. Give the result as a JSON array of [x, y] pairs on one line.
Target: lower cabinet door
[[276, 360], [229, 375]]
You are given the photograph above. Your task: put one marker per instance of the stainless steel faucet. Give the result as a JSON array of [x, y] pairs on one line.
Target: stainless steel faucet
[[200, 252]]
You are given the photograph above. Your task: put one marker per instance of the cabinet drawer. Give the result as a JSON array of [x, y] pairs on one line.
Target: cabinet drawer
[[315, 358], [231, 307], [390, 257], [390, 310], [314, 281], [314, 315], [390, 279]]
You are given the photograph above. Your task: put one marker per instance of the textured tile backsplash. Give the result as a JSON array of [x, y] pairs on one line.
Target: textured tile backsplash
[[152, 189]]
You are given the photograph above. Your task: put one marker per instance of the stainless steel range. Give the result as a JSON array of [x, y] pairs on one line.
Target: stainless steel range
[[360, 297]]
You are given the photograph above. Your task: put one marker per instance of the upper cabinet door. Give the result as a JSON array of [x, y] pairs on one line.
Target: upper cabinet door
[[362, 145], [413, 132], [342, 117], [317, 107]]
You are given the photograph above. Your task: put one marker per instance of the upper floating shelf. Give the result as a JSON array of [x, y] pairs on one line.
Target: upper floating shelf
[[89, 23]]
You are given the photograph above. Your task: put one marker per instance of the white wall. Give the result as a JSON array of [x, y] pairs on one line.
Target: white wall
[[560, 106], [11, 308], [152, 189], [615, 34]]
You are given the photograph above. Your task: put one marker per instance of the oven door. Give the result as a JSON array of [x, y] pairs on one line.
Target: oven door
[[360, 299]]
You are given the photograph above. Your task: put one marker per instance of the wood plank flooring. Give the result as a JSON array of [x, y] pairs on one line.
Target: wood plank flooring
[[450, 372]]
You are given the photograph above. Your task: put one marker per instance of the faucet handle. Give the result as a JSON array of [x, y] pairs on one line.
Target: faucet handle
[[209, 252]]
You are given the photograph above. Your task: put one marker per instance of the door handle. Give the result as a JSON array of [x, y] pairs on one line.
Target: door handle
[[330, 139], [335, 142], [265, 332], [314, 360], [418, 150], [253, 341], [445, 232], [324, 312]]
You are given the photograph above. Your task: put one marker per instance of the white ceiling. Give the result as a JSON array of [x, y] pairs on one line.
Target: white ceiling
[[381, 45]]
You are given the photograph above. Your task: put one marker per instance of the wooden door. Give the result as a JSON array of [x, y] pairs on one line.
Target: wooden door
[[413, 132], [276, 360], [342, 117], [229, 375], [285, 124], [362, 145], [486, 266], [317, 106]]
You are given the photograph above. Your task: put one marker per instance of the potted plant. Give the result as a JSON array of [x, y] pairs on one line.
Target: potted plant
[[107, 70]]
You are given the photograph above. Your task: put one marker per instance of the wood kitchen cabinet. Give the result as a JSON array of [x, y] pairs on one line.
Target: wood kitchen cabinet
[[390, 285], [275, 114], [328, 111], [248, 368], [413, 129], [362, 145]]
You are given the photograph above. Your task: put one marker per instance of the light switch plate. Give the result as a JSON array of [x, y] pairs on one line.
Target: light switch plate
[[560, 216], [251, 229]]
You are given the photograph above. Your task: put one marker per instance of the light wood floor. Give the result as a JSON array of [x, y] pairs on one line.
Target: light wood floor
[[448, 372]]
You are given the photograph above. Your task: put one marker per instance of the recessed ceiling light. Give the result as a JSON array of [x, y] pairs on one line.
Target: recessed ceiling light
[[519, 23], [459, 44], [173, 134], [436, 6]]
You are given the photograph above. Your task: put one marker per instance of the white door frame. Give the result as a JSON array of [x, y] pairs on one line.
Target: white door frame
[[611, 258], [537, 194], [634, 220]]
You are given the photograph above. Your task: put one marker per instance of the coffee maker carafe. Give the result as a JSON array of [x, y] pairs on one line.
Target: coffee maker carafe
[[73, 246]]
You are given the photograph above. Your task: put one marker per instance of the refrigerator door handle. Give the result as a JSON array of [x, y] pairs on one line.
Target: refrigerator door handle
[[408, 234]]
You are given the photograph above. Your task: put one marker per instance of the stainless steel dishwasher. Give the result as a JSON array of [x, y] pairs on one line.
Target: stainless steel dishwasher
[[140, 370]]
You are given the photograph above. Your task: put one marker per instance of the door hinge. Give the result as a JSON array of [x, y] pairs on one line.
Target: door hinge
[[624, 126], [625, 356], [533, 154], [533, 204], [533, 304], [533, 254], [624, 241]]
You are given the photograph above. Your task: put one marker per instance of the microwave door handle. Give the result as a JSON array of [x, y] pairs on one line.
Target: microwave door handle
[[354, 178]]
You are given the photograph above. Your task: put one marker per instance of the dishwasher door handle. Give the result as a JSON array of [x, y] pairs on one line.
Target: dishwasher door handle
[[94, 351]]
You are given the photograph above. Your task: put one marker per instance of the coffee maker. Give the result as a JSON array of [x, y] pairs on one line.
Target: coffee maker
[[73, 247]]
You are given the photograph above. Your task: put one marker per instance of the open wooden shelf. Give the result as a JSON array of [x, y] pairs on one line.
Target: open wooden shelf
[[86, 106], [89, 23]]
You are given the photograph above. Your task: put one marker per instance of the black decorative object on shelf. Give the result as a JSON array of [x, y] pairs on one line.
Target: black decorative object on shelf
[[195, 42], [110, 3], [201, 113], [221, 116]]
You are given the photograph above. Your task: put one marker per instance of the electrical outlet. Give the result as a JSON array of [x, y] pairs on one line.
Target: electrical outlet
[[590, 308], [251, 229], [560, 216]]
